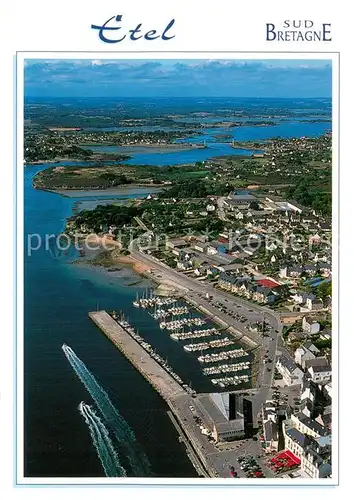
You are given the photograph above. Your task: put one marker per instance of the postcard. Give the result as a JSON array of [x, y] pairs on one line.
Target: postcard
[[176, 182]]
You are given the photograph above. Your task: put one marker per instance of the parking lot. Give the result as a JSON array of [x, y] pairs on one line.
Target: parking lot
[[250, 466], [286, 395]]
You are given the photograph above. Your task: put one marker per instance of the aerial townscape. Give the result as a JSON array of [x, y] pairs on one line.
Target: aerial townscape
[[178, 282]]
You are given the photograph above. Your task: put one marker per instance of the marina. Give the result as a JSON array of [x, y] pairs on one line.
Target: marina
[[188, 411], [137, 352], [180, 323], [227, 381], [202, 346], [151, 301], [183, 315], [174, 311], [236, 367], [177, 398], [232, 353], [196, 334], [123, 323]]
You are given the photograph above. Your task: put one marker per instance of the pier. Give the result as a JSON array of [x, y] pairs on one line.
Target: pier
[[163, 383], [169, 389], [207, 459]]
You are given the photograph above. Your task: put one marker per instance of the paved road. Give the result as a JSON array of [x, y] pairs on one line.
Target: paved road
[[201, 287], [218, 458]]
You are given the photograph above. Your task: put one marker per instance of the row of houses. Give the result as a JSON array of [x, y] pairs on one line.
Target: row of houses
[[307, 301], [250, 289], [246, 287], [307, 433], [323, 268], [306, 361]]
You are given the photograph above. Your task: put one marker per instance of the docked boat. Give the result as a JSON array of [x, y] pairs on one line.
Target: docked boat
[[226, 368], [195, 334], [212, 344], [227, 381], [222, 356], [136, 302]]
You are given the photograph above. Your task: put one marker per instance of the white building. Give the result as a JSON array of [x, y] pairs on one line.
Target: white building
[[300, 432], [320, 374], [308, 426], [295, 441], [291, 373], [310, 325], [303, 354], [316, 460], [314, 304]]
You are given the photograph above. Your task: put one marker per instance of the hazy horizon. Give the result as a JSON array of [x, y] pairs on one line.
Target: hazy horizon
[[262, 79]]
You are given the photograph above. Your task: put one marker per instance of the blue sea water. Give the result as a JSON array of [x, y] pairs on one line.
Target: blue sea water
[[58, 296]]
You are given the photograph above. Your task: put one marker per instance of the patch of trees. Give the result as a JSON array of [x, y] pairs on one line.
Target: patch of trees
[[104, 216], [196, 188], [114, 179], [308, 194], [324, 290]]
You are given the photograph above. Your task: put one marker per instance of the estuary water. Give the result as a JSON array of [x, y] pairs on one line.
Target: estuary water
[[58, 297]]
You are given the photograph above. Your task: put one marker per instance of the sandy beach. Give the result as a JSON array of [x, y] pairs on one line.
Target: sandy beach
[[138, 267], [106, 241], [106, 252]]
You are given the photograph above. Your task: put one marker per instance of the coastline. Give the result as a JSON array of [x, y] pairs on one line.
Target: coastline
[[118, 191], [128, 147], [174, 146], [97, 158], [112, 260], [108, 258], [60, 291], [137, 266]]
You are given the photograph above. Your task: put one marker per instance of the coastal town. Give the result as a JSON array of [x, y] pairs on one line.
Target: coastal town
[[186, 252], [258, 264]]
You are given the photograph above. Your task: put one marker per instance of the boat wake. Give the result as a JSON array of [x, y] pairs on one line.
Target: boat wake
[[102, 442], [122, 434]]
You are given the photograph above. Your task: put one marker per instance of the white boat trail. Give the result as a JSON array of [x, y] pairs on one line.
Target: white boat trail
[[102, 442], [117, 426]]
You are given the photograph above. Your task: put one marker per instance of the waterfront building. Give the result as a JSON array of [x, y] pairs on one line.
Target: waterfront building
[[320, 371], [230, 416]]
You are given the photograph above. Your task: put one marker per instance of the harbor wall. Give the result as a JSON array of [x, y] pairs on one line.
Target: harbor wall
[[162, 382], [173, 394]]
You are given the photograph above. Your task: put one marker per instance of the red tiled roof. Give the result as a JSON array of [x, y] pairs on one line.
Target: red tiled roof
[[267, 283]]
